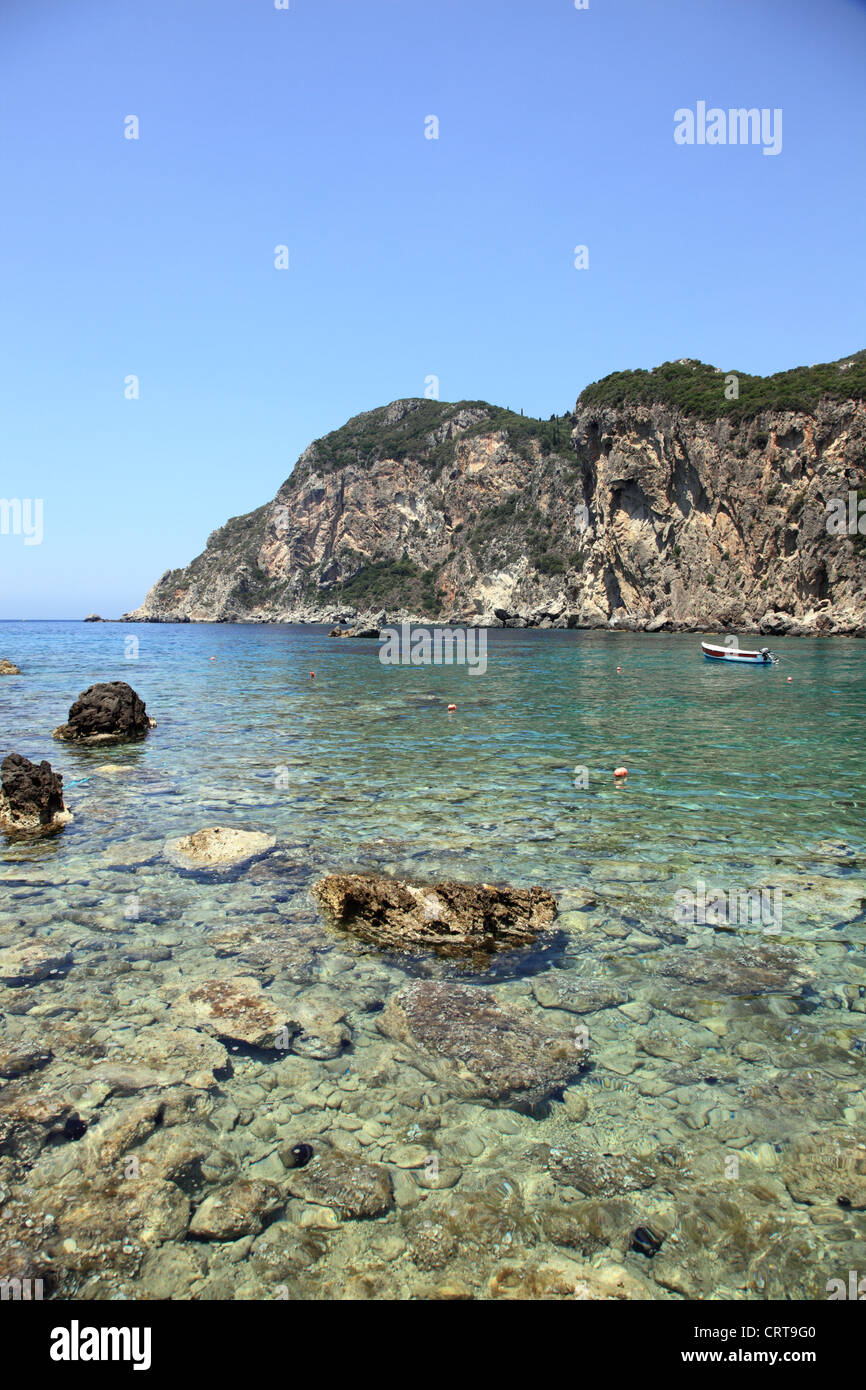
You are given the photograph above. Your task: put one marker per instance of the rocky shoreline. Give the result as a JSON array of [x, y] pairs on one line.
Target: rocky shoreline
[[815, 624]]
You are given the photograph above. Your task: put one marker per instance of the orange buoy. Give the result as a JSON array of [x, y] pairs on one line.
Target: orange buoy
[[312, 675], [452, 707], [620, 772], [213, 658]]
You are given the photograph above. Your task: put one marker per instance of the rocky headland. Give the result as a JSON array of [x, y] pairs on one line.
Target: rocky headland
[[662, 502]]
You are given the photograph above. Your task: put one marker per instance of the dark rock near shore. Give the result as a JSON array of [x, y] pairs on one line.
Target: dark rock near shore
[[110, 712], [452, 919], [464, 1038], [8, 668], [31, 798], [354, 632], [94, 618]]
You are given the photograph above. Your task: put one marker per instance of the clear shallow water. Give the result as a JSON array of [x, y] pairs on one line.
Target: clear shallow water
[[737, 780]]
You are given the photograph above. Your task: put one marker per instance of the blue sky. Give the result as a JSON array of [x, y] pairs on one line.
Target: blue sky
[[409, 257]]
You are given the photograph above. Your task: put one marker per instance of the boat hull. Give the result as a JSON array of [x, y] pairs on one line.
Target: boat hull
[[733, 654]]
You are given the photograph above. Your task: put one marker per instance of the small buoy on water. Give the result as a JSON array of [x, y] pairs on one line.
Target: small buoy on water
[[619, 773], [213, 658], [312, 675], [619, 670], [451, 707], [790, 678]]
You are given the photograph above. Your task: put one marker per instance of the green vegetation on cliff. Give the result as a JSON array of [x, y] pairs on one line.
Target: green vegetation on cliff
[[698, 389], [386, 582], [367, 438]]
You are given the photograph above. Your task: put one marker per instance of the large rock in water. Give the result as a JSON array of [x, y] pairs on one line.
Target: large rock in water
[[8, 668], [31, 798], [452, 919], [461, 1036], [110, 712]]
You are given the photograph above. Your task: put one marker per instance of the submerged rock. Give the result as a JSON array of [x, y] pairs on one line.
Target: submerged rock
[[164, 1055], [590, 1225], [453, 919], [738, 969], [577, 996], [109, 712], [16, 1059], [31, 798], [238, 1009], [820, 1170], [463, 1037], [561, 1279], [8, 668], [348, 1185], [103, 1217], [28, 1122], [322, 1023], [598, 1174], [242, 1208], [218, 848], [32, 961]]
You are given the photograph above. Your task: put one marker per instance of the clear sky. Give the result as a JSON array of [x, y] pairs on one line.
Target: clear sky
[[408, 257]]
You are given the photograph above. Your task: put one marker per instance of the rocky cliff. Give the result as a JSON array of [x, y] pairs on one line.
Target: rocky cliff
[[661, 502]]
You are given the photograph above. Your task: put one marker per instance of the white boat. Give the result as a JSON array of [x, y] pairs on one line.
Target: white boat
[[762, 658]]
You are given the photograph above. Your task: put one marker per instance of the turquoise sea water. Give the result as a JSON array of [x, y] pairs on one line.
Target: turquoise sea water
[[727, 765], [738, 780]]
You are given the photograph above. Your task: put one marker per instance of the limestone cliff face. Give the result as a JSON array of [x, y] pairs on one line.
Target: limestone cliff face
[[628, 515]]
